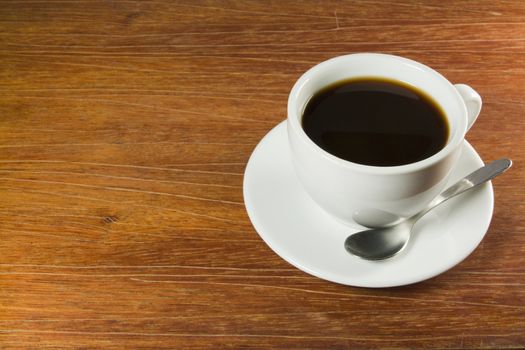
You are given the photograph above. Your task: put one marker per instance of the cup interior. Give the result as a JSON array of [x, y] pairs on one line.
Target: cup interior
[[381, 66]]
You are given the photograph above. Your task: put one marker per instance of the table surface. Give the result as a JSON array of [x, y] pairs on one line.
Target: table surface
[[125, 128]]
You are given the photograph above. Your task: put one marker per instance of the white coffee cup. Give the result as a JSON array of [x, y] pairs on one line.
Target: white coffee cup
[[377, 195]]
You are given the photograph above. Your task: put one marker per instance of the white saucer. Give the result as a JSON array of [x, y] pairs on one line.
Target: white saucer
[[299, 231]]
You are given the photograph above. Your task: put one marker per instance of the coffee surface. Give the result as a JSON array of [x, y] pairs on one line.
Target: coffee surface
[[376, 122]]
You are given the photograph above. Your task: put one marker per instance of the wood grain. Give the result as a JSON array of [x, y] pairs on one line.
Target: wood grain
[[125, 128]]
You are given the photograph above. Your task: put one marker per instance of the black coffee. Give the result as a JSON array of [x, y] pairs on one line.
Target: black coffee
[[375, 122]]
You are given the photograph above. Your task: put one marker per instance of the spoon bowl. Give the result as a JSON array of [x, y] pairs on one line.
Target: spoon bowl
[[380, 243]]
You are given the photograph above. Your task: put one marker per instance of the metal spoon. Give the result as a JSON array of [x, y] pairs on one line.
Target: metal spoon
[[385, 242]]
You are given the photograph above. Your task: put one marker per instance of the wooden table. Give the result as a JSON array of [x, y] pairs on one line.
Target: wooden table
[[125, 128]]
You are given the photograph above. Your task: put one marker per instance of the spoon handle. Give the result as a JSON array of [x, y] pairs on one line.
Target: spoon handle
[[476, 178]]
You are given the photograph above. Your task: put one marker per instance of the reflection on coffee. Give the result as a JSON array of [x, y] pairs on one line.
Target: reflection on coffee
[[375, 121]]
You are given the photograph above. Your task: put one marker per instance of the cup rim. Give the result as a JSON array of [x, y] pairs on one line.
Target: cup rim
[[294, 120]]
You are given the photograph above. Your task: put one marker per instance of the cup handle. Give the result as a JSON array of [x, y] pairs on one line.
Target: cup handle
[[472, 100]]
